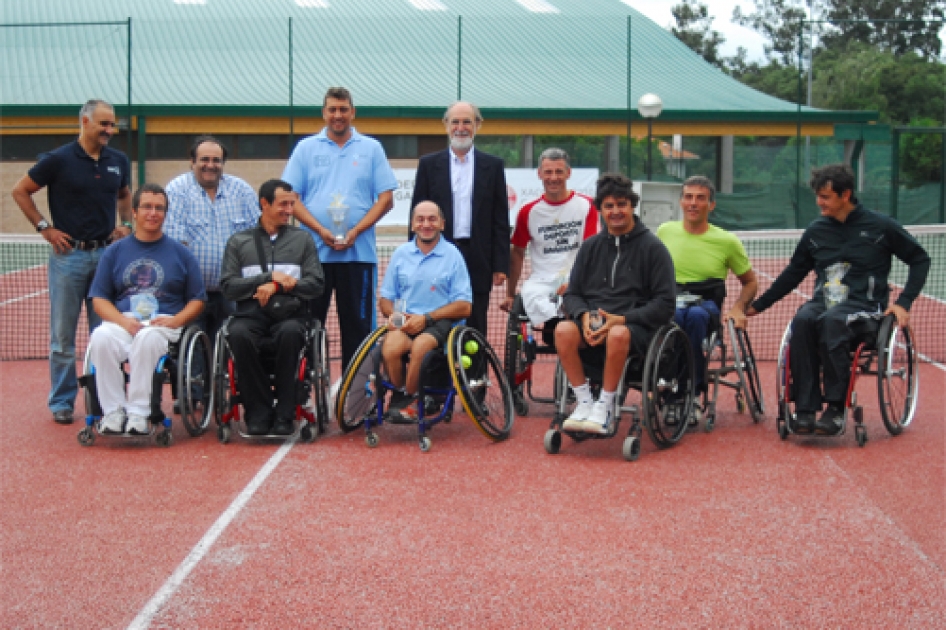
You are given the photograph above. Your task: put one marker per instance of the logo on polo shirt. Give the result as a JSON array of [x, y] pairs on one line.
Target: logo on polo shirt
[[114, 169]]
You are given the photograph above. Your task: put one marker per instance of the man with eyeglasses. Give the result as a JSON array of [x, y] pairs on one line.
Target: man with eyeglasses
[[146, 289], [470, 186], [86, 181], [205, 208]]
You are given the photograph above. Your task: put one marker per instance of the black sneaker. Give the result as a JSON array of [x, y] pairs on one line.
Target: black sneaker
[[399, 409], [830, 421], [284, 426], [804, 423], [258, 425], [63, 416]]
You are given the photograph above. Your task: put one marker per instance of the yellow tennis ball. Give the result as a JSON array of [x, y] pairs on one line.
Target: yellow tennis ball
[[466, 362], [471, 347]]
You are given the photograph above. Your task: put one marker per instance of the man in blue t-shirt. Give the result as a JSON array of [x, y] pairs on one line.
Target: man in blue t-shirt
[[344, 180], [85, 182], [146, 289], [430, 276]]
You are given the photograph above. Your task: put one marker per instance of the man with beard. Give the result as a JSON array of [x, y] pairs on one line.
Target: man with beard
[[430, 275], [86, 181], [470, 187]]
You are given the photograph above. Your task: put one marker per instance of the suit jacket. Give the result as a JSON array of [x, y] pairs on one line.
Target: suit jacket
[[489, 230]]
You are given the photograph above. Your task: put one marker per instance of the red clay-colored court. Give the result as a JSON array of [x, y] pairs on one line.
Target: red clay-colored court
[[734, 528]]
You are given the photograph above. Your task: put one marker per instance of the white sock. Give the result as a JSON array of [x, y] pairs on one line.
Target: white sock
[[583, 393], [606, 398]]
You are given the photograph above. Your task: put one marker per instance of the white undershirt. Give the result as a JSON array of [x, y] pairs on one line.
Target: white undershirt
[[461, 181]]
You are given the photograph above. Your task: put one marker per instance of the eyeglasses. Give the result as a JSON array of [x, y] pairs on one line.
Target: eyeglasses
[[147, 207], [458, 122], [210, 160]]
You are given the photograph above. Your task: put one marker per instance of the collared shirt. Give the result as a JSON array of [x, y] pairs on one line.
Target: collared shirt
[[82, 191], [353, 175], [461, 181], [427, 281], [203, 225]]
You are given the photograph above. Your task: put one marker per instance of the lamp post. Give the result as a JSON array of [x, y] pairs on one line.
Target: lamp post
[[649, 106]]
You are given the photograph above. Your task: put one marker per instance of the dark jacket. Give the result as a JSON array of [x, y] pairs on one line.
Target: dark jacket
[[630, 275], [489, 229], [866, 240], [293, 252]]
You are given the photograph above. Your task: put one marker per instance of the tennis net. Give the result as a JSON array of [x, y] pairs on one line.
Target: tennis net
[[24, 295]]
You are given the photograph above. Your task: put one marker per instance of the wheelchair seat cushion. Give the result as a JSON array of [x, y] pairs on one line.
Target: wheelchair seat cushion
[[712, 289]]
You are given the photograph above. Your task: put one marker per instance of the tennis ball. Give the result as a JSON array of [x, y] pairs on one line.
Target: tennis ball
[[471, 347], [466, 362]]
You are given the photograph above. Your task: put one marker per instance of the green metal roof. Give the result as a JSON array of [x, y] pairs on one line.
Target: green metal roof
[[230, 57]]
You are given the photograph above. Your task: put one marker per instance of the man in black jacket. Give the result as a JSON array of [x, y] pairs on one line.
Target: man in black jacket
[[621, 289], [849, 248], [292, 269]]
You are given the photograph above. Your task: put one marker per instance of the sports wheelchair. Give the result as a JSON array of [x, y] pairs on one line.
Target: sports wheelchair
[[747, 385], [521, 352], [466, 369], [187, 368], [312, 385], [893, 350], [664, 377]]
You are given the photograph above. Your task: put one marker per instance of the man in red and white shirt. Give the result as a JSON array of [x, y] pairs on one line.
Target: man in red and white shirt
[[553, 227]]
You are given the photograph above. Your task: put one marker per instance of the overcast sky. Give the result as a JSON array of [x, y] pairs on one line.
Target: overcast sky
[[659, 12]]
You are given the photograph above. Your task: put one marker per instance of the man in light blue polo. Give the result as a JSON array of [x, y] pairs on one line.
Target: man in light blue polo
[[345, 182], [430, 276]]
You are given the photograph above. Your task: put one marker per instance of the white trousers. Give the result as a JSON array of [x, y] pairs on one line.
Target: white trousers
[[535, 299], [111, 344]]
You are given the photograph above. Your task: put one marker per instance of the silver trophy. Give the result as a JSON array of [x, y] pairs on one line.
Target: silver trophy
[[338, 212]]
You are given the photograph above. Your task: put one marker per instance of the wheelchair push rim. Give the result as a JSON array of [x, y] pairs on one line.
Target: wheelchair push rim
[[195, 381], [897, 376], [482, 387], [357, 395], [667, 387], [747, 371]]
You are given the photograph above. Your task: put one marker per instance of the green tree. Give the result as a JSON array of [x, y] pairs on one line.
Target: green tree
[[778, 21], [695, 29], [920, 36], [922, 154]]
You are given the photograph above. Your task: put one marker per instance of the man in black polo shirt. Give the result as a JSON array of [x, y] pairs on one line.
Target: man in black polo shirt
[[85, 181]]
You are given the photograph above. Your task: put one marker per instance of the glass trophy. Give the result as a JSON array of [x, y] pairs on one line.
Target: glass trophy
[[338, 212], [397, 315], [144, 306]]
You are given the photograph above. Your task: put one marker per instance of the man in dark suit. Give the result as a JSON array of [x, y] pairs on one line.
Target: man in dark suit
[[470, 186]]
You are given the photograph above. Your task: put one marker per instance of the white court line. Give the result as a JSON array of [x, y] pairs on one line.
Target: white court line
[[153, 607], [23, 297]]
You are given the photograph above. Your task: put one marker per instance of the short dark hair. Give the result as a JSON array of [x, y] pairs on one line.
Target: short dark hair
[[268, 190], [339, 93], [839, 176], [617, 186], [703, 182], [148, 188], [199, 140]]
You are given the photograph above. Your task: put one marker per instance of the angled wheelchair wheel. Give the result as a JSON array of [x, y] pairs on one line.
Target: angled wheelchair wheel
[[667, 386], [783, 385], [747, 371], [897, 375], [319, 374], [480, 382], [357, 395], [221, 399], [92, 407], [195, 380], [514, 359]]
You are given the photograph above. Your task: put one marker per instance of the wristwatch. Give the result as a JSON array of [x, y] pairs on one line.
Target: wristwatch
[[42, 225], [128, 225]]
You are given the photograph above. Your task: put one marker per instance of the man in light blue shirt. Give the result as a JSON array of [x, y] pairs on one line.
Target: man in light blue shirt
[[205, 208], [430, 276], [345, 182]]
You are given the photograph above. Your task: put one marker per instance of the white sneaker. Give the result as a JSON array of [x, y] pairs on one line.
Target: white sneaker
[[137, 425], [113, 422], [576, 421], [599, 419]]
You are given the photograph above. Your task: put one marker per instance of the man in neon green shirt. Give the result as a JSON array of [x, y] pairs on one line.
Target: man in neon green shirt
[[702, 252]]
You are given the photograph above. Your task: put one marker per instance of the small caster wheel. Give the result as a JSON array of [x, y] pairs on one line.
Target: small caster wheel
[[552, 441], [447, 417], [860, 433], [740, 404], [309, 432], [223, 433], [710, 424], [424, 444], [522, 407], [631, 449], [371, 439], [783, 429], [86, 437], [163, 438], [858, 415]]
